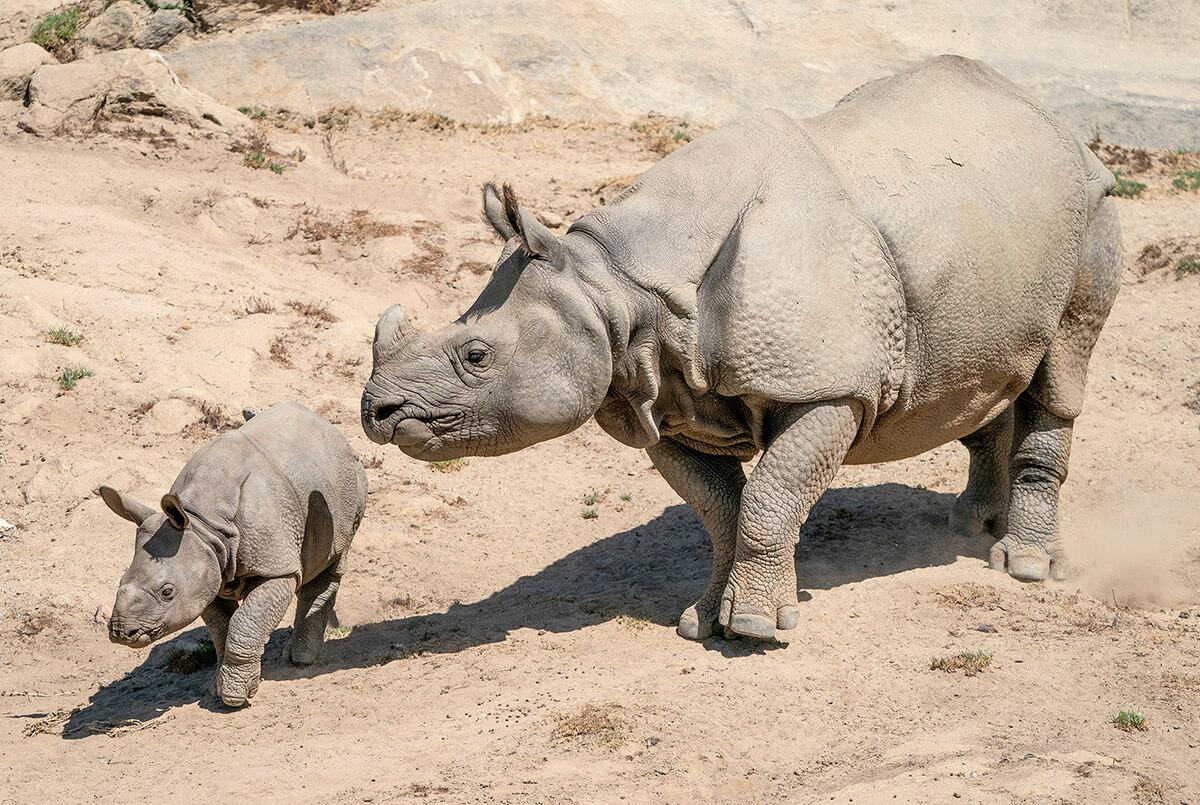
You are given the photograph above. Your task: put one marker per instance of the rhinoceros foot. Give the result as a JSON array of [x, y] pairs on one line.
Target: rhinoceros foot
[[1029, 562], [975, 518], [237, 684]]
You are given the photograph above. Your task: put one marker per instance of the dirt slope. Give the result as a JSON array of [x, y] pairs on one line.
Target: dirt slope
[[496, 646]]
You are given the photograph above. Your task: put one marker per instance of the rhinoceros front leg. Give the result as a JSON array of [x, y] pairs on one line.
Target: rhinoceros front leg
[[712, 485], [1041, 449], [249, 628], [982, 508], [799, 463], [216, 617]]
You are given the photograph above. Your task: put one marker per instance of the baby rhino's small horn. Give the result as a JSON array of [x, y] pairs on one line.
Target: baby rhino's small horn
[[393, 327]]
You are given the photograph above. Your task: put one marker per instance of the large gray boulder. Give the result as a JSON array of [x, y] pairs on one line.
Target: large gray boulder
[[115, 28], [129, 82], [17, 65], [1134, 78], [163, 26]]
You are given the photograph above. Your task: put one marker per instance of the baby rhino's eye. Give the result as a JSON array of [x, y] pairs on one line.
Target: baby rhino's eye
[[167, 592]]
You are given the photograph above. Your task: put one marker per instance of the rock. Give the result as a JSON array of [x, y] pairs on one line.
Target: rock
[[550, 219], [170, 416], [7, 529], [164, 25], [615, 59], [65, 94], [66, 479], [17, 65], [115, 28], [103, 613], [129, 82]]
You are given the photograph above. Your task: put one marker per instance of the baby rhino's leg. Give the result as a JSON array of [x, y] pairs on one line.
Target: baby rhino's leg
[[216, 617], [314, 607], [249, 628]]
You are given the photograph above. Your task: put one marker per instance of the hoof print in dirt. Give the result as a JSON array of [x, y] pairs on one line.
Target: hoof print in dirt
[[257, 515]]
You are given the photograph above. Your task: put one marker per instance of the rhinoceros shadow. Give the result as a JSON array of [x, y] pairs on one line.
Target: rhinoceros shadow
[[650, 573]]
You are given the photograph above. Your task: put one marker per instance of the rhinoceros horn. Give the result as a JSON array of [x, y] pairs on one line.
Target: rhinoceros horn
[[391, 330]]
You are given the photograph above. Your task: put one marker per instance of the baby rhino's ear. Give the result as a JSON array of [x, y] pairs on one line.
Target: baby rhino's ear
[[124, 506], [174, 511]]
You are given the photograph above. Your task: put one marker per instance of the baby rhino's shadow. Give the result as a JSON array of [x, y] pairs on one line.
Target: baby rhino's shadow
[[648, 574], [150, 690]]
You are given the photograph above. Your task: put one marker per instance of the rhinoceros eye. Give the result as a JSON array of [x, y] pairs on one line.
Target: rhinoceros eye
[[167, 592], [477, 356]]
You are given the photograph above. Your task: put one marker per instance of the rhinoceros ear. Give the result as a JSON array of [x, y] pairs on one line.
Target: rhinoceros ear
[[174, 511], [125, 507], [495, 213], [537, 239], [510, 219]]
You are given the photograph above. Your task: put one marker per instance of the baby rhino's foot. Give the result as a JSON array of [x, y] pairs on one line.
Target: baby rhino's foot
[[303, 653], [237, 684]]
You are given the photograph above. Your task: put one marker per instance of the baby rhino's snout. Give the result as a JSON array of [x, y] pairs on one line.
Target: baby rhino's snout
[[128, 624]]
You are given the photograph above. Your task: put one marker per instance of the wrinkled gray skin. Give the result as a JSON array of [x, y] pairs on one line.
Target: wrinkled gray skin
[[931, 260], [256, 515]]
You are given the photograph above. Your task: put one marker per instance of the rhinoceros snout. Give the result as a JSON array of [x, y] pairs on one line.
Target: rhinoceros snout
[[379, 417]]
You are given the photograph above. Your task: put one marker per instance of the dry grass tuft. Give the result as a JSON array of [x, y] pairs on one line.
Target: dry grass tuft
[[1149, 791], [313, 310], [609, 189], [279, 351], [1167, 253], [212, 421], [662, 135], [391, 117], [189, 661], [358, 226], [602, 722], [969, 662], [476, 267], [256, 304]]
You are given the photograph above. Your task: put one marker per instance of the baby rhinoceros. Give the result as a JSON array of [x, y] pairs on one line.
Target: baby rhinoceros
[[257, 515]]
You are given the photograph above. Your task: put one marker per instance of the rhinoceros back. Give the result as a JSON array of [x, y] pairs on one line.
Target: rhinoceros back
[[983, 201], [286, 489]]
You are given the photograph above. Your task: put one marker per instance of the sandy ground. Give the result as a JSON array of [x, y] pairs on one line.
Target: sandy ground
[[495, 645]]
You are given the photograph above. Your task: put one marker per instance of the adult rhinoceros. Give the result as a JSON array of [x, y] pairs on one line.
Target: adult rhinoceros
[[931, 260]]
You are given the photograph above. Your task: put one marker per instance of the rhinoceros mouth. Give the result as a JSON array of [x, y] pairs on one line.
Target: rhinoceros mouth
[[419, 428], [134, 637]]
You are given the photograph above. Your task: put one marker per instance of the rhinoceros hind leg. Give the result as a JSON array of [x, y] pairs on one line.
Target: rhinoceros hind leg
[[1044, 413], [314, 608], [982, 508], [1031, 550]]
